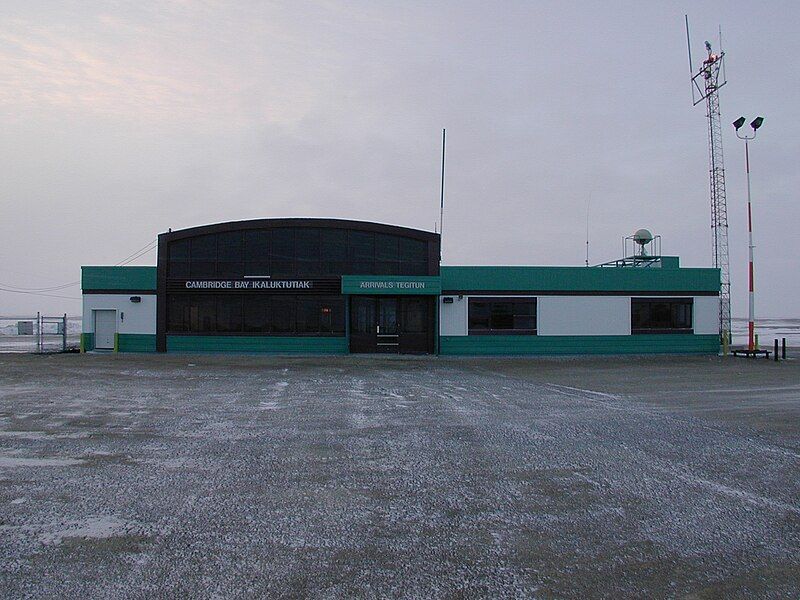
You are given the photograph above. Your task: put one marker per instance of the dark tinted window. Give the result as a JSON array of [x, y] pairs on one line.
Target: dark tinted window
[[296, 252], [283, 314], [283, 244], [362, 246], [661, 315], [256, 245], [204, 256], [504, 316], [256, 314], [229, 314], [179, 255]]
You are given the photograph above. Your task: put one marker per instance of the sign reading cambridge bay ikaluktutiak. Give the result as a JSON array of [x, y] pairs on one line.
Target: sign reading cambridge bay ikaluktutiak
[[258, 284]]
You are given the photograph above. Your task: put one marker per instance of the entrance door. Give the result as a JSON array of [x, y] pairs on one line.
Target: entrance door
[[105, 328], [388, 331], [391, 324]]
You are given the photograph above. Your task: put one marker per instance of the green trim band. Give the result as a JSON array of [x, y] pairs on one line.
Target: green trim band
[[118, 278], [477, 345], [268, 344], [580, 279]]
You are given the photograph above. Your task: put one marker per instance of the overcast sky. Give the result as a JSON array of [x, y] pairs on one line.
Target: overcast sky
[[119, 120]]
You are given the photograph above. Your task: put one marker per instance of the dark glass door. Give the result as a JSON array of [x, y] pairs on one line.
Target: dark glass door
[[387, 330], [391, 324], [362, 324]]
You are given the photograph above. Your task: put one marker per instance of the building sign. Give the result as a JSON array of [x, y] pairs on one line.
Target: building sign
[[269, 286], [392, 285], [388, 284], [250, 284]]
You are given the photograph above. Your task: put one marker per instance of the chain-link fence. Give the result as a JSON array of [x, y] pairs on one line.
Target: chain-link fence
[[40, 333]]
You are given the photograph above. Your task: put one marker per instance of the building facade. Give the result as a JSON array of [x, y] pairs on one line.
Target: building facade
[[329, 286]]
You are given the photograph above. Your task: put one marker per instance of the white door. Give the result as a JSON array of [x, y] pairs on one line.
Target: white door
[[105, 326]]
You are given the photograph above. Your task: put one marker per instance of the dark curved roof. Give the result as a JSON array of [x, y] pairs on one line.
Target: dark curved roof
[[300, 222]]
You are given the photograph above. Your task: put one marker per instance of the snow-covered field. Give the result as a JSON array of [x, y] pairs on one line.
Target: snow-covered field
[[207, 476]]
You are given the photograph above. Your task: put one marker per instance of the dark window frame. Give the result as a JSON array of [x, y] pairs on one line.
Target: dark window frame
[[329, 309], [495, 313], [662, 315], [280, 252]]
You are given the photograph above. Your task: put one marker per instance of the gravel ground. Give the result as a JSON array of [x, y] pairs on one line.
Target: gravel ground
[[146, 476]]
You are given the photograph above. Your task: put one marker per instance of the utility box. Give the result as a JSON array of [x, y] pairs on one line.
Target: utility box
[[24, 327]]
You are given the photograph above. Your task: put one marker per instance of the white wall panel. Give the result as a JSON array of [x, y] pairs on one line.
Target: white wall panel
[[453, 317], [139, 317], [706, 315], [584, 315]]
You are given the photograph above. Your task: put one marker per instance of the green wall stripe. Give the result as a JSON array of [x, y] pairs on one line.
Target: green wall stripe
[[580, 279], [271, 344], [136, 342], [118, 278], [87, 342], [477, 345]]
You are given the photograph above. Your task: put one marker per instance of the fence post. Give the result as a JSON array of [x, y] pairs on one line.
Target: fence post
[[783, 349], [64, 337], [38, 332], [776, 349]]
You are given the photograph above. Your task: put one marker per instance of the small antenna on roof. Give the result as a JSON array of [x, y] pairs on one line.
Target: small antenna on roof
[[588, 202]]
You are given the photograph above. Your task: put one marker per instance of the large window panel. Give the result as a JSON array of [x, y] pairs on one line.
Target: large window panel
[[204, 256], [283, 314], [178, 313], [307, 315], [661, 315], [362, 246], [331, 319], [333, 245], [502, 316], [256, 314], [202, 313], [288, 252], [179, 258], [257, 245], [229, 313], [412, 250], [283, 244], [230, 255]]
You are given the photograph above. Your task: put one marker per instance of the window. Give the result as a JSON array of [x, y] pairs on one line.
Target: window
[[204, 256], [256, 314], [250, 314], [230, 256], [179, 252], [502, 316], [661, 315], [229, 314], [287, 252]]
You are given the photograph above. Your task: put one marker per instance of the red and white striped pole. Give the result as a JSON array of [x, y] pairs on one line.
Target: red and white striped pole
[[751, 342]]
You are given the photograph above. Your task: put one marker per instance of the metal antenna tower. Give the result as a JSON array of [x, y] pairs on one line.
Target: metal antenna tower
[[706, 82]]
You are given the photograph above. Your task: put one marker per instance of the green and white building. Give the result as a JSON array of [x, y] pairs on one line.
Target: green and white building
[[329, 286]]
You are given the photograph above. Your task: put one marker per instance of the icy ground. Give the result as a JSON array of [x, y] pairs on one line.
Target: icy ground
[[204, 476]]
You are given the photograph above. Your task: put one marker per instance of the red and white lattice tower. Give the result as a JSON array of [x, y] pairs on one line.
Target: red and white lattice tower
[[706, 83]]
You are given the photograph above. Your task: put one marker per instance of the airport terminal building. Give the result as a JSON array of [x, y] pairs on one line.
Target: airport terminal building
[[329, 286]]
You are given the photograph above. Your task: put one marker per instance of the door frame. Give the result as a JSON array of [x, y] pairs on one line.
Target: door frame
[[370, 342], [94, 325]]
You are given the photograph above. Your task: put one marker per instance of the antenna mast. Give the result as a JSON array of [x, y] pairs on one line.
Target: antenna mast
[[441, 198], [706, 82]]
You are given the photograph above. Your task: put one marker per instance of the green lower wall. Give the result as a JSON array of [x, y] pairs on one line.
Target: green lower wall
[[272, 344], [470, 345], [134, 342], [87, 342], [126, 342], [476, 345]]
